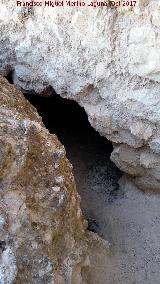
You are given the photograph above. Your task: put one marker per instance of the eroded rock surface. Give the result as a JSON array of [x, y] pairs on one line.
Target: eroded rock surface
[[43, 236], [106, 59]]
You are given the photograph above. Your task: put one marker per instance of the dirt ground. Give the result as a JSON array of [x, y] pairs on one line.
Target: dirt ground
[[128, 218]]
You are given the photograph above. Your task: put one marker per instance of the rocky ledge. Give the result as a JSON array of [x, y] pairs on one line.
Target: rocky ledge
[[107, 59]]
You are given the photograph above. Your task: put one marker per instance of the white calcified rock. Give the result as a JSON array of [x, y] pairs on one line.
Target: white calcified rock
[[107, 59]]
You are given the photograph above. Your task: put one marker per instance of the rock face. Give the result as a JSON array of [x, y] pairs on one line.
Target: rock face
[[43, 235], [107, 59]]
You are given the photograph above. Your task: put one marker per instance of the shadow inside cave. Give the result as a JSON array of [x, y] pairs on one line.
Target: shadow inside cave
[[96, 176]]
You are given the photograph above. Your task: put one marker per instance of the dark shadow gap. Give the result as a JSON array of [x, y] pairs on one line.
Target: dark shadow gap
[[9, 77], [96, 176]]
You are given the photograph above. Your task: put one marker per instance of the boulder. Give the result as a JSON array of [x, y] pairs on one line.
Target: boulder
[[43, 237]]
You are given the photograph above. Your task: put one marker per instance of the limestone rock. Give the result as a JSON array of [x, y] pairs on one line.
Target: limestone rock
[[106, 59], [43, 235]]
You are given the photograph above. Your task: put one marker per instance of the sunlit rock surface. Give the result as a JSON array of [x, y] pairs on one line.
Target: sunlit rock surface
[[107, 59], [43, 237]]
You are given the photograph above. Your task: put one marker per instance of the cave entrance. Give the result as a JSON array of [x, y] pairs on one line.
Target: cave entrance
[[96, 176]]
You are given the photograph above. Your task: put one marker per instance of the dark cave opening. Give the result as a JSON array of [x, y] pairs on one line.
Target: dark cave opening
[[96, 176]]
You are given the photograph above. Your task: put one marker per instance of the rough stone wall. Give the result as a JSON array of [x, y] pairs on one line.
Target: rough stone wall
[[43, 235], [106, 59]]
